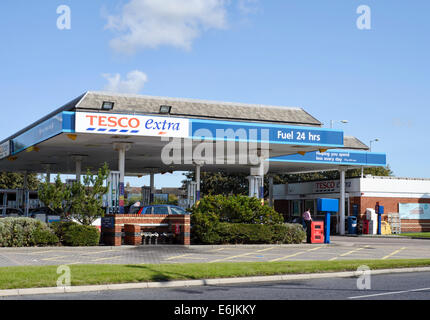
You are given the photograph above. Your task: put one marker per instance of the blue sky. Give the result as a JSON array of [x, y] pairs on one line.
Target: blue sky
[[279, 52]]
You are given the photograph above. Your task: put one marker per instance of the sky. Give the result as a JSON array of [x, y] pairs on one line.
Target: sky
[[312, 54]]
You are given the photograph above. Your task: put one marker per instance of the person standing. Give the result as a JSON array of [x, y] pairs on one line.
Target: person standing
[[308, 220]]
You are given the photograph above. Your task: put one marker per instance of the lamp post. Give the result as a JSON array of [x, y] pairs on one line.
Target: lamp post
[[340, 121], [370, 144]]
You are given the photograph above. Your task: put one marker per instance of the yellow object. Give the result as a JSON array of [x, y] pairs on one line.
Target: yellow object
[[385, 228], [302, 153], [72, 136]]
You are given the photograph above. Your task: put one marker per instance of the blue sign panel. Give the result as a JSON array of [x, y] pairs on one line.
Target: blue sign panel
[[269, 133], [39, 133], [343, 157], [418, 211]]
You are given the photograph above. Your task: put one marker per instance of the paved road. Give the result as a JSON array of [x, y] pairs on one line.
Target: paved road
[[403, 286], [341, 248]]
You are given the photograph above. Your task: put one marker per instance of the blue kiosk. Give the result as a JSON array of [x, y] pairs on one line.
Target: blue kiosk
[[329, 207]]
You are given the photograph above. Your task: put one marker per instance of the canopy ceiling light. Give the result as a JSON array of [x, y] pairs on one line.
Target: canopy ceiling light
[[165, 109], [107, 105]]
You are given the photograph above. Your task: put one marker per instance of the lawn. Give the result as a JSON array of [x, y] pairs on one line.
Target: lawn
[[46, 276], [416, 234]]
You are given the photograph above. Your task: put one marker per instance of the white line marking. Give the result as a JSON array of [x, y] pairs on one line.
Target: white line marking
[[389, 293]]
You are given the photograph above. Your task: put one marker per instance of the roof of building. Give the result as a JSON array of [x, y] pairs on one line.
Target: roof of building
[[193, 108]]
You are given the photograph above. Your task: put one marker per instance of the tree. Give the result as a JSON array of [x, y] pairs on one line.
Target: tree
[[9, 180], [87, 197], [221, 183], [55, 196]]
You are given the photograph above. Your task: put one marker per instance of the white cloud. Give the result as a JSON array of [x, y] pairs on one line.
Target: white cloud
[[134, 82], [152, 23], [248, 6]]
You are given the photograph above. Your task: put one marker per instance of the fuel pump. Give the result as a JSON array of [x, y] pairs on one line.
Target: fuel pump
[[328, 207]]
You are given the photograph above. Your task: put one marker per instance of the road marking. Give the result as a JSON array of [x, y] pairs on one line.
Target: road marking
[[388, 293], [177, 257], [332, 259], [96, 252], [108, 258], [295, 254], [241, 255], [393, 253], [215, 250], [353, 251], [54, 258]]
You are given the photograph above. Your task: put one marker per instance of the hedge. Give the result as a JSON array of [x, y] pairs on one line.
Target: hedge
[[81, 236], [240, 219], [241, 233], [25, 232]]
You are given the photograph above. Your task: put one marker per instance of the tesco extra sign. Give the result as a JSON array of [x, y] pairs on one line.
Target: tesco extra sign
[[105, 123]]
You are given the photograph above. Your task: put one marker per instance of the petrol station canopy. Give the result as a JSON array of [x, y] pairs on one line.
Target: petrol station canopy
[[91, 125]]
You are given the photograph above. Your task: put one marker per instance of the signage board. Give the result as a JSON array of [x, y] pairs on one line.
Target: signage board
[[418, 211], [5, 150], [270, 133], [39, 133], [123, 124], [343, 157]]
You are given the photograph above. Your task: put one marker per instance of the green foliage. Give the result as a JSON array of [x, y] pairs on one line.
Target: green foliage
[[223, 219], [213, 183], [25, 232], [241, 233], [237, 209], [60, 228], [56, 196], [9, 180], [81, 236], [87, 197], [80, 201]]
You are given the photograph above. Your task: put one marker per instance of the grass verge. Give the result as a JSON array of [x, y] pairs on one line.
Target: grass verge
[[46, 276], [416, 235]]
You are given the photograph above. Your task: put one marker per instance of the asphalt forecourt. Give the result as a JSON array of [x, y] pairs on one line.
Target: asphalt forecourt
[[342, 248], [45, 279]]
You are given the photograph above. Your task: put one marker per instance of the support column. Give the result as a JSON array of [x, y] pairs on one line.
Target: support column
[[198, 169], [26, 194], [152, 186], [78, 163], [121, 147], [271, 202], [342, 202], [48, 172]]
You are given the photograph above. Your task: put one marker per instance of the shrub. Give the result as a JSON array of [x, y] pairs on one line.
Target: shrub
[[80, 236], [238, 209], [232, 219], [60, 228], [25, 232], [240, 233]]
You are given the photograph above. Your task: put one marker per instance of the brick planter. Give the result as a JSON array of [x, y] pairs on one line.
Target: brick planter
[[129, 227]]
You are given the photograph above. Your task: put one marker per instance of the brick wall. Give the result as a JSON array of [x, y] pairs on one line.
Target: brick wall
[[391, 205], [127, 228]]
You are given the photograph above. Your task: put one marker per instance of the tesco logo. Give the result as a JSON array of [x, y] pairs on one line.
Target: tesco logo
[[113, 121], [104, 123]]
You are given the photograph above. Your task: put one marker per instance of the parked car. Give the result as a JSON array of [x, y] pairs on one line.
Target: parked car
[[160, 209], [11, 212]]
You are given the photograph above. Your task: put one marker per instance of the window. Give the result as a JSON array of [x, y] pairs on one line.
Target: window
[[161, 210], [147, 210], [177, 210]]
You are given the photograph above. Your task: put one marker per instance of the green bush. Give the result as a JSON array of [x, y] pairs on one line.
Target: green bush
[[60, 228], [81, 236], [25, 232], [237, 233], [233, 219], [238, 209]]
